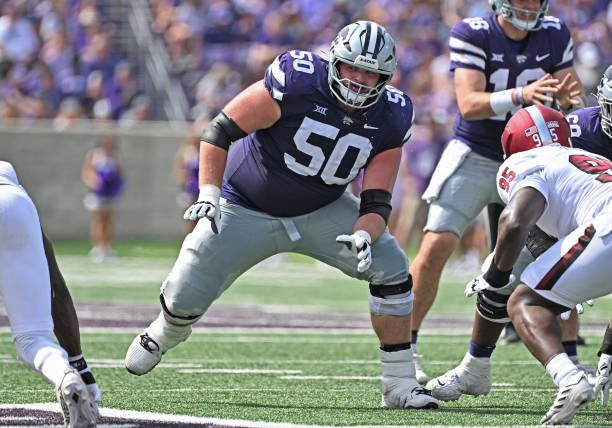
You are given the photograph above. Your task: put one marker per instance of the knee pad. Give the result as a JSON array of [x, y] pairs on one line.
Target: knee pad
[[391, 299], [493, 306], [35, 348]]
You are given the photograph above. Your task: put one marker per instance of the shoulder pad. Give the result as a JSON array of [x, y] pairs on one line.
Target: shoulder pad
[[401, 111], [468, 43], [296, 73]]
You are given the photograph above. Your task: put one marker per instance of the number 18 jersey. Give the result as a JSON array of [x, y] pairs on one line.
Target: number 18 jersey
[[480, 44], [307, 158]]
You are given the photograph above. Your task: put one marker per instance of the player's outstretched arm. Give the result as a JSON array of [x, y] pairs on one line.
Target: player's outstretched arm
[[66, 322]]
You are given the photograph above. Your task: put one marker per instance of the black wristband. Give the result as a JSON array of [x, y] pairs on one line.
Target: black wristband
[[496, 277]]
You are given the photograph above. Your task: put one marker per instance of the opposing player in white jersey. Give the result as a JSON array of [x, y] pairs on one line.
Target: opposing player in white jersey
[[26, 290], [591, 130], [566, 192]]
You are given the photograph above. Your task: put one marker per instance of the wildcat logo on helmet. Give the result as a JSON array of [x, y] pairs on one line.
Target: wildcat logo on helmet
[[364, 61]]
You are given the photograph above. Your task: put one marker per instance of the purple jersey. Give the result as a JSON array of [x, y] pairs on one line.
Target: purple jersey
[[110, 182], [307, 158], [480, 44], [192, 164], [585, 125]]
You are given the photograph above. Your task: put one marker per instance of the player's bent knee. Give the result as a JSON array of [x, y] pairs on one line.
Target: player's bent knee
[[391, 299], [493, 306]]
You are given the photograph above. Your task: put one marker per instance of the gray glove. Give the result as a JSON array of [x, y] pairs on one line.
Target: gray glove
[[360, 243], [207, 206]]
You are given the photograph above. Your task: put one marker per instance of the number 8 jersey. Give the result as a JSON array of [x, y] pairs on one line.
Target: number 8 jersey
[[576, 184], [307, 158], [480, 44]]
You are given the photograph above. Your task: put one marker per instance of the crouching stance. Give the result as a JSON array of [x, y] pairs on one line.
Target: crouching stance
[[25, 288], [303, 133], [566, 192]]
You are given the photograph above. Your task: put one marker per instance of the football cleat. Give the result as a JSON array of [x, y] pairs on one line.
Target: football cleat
[[572, 396], [75, 401], [406, 393], [472, 377], [143, 354]]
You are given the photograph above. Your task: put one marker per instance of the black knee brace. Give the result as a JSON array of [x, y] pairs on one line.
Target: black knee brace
[[384, 290], [493, 306]]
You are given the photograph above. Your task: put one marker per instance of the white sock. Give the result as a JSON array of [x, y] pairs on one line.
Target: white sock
[[38, 351], [561, 369], [168, 335]]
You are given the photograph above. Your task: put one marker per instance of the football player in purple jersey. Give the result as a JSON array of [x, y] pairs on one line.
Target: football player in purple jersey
[[591, 130], [302, 134], [514, 57]]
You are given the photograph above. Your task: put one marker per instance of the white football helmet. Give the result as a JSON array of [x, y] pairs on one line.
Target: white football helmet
[[532, 20], [366, 45], [604, 98]]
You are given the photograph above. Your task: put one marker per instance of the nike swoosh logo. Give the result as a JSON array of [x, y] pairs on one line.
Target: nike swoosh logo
[[366, 126], [540, 58]]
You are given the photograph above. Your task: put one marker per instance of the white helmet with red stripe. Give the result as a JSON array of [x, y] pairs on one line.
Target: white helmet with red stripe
[[535, 126]]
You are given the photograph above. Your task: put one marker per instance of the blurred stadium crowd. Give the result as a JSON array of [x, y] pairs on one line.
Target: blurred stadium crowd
[[58, 60], [61, 59]]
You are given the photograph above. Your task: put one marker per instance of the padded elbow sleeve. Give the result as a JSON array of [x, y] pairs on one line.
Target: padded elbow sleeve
[[222, 131], [376, 201]]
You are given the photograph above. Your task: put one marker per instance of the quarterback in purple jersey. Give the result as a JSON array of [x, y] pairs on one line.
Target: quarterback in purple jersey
[[303, 133], [516, 56]]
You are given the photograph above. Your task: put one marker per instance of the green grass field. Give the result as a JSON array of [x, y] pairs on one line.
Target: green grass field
[[300, 375]]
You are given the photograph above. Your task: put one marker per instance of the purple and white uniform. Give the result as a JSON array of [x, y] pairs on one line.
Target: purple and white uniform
[[284, 188], [307, 159], [464, 180], [480, 44], [585, 125]]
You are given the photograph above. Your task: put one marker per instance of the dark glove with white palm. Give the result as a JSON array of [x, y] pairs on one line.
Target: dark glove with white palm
[[207, 206], [490, 279], [360, 243]]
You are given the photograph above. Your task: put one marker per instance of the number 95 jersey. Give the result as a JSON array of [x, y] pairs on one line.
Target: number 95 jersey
[[307, 158], [576, 184]]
